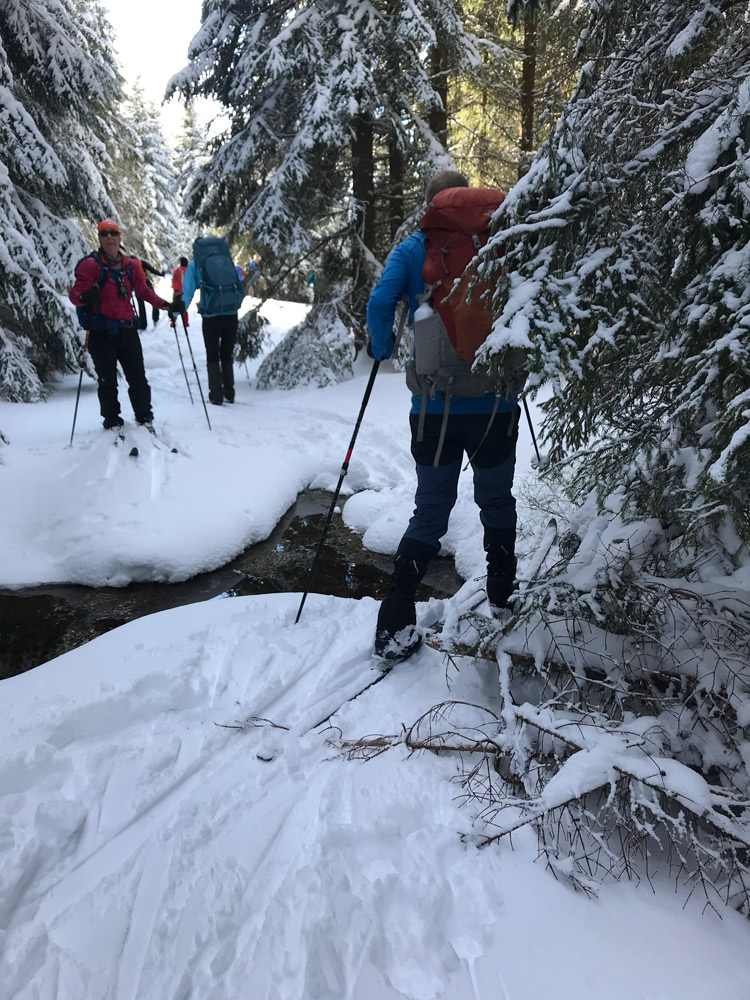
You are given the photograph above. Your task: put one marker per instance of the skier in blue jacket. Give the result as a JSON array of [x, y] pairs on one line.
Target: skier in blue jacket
[[219, 336], [491, 448]]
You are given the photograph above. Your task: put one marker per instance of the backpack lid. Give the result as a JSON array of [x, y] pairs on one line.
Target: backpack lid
[[210, 246], [462, 210]]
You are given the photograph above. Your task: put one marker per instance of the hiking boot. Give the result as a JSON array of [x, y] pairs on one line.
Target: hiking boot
[[144, 418], [110, 422], [215, 383], [396, 634], [228, 384], [501, 571]]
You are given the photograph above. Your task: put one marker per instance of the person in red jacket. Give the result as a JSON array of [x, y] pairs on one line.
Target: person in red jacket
[[105, 283], [178, 277]]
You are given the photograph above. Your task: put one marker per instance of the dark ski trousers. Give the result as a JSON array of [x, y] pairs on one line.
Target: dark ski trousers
[[220, 336], [106, 349], [493, 466]]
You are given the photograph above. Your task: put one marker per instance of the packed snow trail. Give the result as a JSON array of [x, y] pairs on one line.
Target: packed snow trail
[[147, 853]]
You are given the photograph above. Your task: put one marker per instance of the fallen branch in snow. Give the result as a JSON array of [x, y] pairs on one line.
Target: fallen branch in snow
[[429, 733], [584, 785], [713, 806], [253, 722]]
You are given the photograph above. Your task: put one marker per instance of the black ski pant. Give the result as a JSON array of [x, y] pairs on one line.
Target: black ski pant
[[493, 464], [106, 349], [220, 336]]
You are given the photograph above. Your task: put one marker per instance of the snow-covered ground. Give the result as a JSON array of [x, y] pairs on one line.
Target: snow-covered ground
[[92, 515], [147, 853]]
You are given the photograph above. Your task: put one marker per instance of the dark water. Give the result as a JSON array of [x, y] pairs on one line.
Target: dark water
[[37, 625]]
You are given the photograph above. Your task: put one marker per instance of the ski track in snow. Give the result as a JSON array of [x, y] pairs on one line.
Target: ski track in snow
[[151, 854]]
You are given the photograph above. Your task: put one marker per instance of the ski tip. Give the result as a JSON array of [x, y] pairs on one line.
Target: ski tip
[[383, 665]]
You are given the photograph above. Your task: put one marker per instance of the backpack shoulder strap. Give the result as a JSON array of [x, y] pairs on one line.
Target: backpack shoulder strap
[[95, 255], [128, 270]]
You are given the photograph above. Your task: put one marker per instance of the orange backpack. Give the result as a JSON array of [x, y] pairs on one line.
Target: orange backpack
[[457, 226]]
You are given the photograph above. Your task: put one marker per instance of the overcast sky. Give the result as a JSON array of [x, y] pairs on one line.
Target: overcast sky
[[152, 42]]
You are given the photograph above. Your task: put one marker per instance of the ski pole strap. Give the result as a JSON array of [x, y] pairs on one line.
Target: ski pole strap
[[487, 430], [399, 332], [84, 348], [422, 412], [444, 424]]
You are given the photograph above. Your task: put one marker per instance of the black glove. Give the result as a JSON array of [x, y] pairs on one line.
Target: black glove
[[369, 349], [178, 304], [91, 295]]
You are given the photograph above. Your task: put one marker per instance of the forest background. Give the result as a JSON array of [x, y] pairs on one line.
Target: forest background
[[620, 260]]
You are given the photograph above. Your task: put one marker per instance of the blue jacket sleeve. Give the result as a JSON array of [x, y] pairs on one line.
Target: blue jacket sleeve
[[402, 276], [189, 285]]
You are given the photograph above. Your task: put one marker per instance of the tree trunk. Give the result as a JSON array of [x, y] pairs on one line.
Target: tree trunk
[[395, 186], [528, 83], [438, 117], [363, 172]]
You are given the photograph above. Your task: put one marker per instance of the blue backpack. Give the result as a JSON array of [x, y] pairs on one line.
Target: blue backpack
[[221, 289]]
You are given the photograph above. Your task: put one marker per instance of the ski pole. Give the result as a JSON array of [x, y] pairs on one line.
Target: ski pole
[[195, 369], [80, 380], [247, 372], [345, 466], [542, 463], [344, 470], [179, 351]]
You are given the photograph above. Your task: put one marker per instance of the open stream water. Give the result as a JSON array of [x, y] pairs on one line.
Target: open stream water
[[41, 623]]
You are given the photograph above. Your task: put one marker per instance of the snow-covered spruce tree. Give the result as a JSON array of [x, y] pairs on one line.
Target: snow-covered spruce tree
[[627, 262], [58, 91], [152, 224], [315, 352], [335, 112], [500, 114], [189, 154], [626, 272], [190, 150]]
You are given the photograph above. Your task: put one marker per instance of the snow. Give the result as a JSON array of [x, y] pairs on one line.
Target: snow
[[147, 853]]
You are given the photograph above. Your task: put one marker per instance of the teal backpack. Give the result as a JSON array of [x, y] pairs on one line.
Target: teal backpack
[[221, 290]]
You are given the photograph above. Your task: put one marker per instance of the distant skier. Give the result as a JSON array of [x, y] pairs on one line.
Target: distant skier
[[105, 284], [178, 277], [253, 280], [221, 293]]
